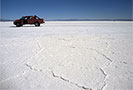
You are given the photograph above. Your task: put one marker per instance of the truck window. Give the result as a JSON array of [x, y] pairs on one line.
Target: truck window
[[30, 17], [25, 18], [35, 17]]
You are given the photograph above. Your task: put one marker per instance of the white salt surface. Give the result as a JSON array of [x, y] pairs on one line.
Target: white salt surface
[[67, 55]]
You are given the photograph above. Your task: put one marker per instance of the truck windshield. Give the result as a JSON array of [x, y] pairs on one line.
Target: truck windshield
[[36, 17]]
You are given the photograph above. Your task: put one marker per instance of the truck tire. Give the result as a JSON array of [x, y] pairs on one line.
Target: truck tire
[[37, 24], [18, 25]]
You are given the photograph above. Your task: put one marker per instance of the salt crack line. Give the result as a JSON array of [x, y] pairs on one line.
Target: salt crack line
[[38, 43], [79, 86], [102, 54], [105, 76], [31, 67], [103, 72]]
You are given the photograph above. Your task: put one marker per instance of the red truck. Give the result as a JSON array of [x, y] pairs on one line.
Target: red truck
[[29, 20]]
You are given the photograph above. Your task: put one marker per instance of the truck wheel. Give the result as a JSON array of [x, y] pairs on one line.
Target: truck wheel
[[37, 24], [18, 25]]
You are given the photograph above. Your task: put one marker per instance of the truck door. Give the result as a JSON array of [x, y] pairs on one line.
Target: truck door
[[30, 20]]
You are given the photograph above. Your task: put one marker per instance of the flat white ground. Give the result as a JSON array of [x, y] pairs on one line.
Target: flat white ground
[[71, 55]]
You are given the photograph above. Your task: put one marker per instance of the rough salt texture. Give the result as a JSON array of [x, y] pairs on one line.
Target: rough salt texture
[[71, 55]]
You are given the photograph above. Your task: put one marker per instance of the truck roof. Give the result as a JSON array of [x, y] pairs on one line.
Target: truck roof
[[29, 16]]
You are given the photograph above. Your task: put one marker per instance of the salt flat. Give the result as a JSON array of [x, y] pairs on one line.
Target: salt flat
[[67, 55]]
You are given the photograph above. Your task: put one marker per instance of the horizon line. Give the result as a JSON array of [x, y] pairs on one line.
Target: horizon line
[[78, 20]]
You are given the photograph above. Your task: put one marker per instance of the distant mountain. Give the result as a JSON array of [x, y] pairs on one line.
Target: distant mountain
[[91, 20], [4, 20]]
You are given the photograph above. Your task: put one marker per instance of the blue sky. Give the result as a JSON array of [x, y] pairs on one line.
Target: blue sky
[[67, 9]]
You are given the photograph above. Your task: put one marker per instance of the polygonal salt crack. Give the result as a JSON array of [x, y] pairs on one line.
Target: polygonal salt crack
[[105, 76], [102, 54], [34, 69], [79, 86], [103, 72]]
